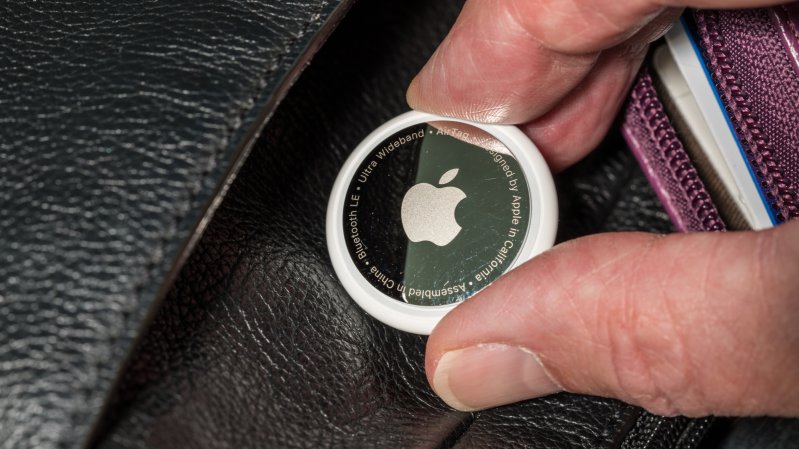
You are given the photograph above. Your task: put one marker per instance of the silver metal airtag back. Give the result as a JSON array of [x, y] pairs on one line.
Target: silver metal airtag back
[[429, 210]]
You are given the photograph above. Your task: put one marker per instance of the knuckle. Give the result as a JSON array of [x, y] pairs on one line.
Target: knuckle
[[651, 362]]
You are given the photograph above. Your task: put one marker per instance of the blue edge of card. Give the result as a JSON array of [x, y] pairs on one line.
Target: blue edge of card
[[771, 213]]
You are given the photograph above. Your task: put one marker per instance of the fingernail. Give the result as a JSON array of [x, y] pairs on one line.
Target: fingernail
[[489, 375]]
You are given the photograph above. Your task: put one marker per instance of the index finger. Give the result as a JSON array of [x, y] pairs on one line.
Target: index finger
[[511, 61]]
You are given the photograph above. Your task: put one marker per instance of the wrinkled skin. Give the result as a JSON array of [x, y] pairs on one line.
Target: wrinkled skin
[[691, 324]]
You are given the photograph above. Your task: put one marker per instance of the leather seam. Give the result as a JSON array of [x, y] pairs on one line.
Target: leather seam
[[211, 162], [453, 438]]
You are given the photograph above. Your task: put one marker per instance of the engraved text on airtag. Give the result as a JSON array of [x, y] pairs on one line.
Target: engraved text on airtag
[[436, 212]]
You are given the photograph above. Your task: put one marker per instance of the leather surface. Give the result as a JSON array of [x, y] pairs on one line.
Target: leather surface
[[755, 433], [257, 344], [119, 124]]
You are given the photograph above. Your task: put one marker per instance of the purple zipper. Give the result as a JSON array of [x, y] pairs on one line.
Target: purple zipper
[[665, 162], [755, 78]]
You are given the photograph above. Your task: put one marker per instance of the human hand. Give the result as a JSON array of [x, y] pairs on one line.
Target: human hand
[[690, 324]]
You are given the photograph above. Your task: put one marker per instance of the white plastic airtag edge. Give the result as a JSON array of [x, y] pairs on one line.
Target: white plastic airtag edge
[[422, 319]]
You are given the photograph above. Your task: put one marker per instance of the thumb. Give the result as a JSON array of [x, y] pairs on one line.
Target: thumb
[[691, 324]]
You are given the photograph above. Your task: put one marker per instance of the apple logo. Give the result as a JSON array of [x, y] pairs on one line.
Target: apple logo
[[428, 212]]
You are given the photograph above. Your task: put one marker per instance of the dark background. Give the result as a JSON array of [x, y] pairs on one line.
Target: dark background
[[258, 345]]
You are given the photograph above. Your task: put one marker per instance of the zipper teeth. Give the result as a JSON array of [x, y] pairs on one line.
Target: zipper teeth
[[650, 109], [778, 189]]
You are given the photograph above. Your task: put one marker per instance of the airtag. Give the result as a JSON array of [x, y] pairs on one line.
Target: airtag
[[428, 211]]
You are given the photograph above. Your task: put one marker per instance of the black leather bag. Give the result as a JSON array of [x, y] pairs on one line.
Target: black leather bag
[[164, 280]]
